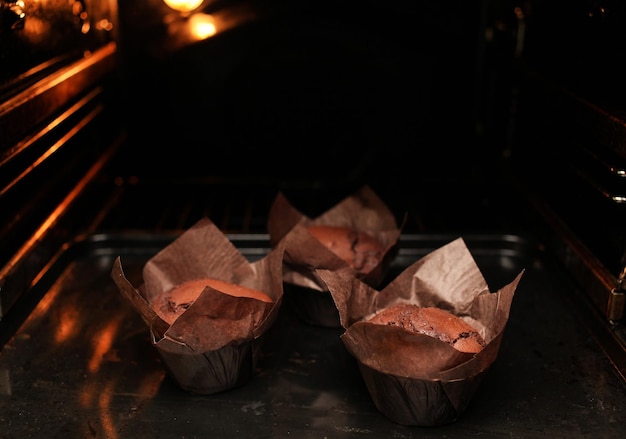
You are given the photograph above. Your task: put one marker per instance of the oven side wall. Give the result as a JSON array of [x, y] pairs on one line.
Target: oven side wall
[[58, 129], [568, 150]]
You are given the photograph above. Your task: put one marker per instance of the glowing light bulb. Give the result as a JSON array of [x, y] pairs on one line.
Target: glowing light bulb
[[202, 26], [183, 5]]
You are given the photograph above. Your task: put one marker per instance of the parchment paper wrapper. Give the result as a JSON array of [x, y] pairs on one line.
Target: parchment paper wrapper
[[415, 379], [213, 345], [364, 211]]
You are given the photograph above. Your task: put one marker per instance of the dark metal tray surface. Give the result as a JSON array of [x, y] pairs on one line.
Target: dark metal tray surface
[[82, 366]]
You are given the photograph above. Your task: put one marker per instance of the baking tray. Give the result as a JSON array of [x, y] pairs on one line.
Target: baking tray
[[81, 363]]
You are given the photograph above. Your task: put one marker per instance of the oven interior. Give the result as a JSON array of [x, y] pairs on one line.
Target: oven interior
[[120, 130]]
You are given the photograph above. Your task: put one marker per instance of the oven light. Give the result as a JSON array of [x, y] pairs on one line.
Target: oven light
[[619, 199], [202, 26], [183, 5]]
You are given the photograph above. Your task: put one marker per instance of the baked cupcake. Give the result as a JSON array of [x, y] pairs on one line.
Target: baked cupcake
[[424, 342], [359, 232], [433, 322], [207, 307]]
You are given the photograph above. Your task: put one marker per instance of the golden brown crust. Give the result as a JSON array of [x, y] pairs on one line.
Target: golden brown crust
[[362, 251], [434, 322], [170, 305]]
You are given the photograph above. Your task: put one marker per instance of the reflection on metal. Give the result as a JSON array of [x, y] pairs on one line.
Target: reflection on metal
[[52, 93], [68, 324], [12, 14], [619, 199], [102, 343], [202, 26], [104, 24], [79, 10], [41, 310], [184, 30], [104, 406]]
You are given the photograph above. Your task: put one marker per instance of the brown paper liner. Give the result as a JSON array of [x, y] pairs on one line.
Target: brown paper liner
[[213, 371], [416, 379], [414, 402], [363, 210], [213, 345]]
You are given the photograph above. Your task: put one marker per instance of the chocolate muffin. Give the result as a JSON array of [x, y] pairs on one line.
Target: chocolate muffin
[[434, 322], [170, 305]]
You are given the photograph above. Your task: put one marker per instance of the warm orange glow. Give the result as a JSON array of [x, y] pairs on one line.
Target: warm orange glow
[[202, 26], [104, 24], [188, 28], [183, 5], [87, 394], [35, 30], [102, 344], [67, 324], [104, 404], [102, 394], [44, 304], [150, 384]]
